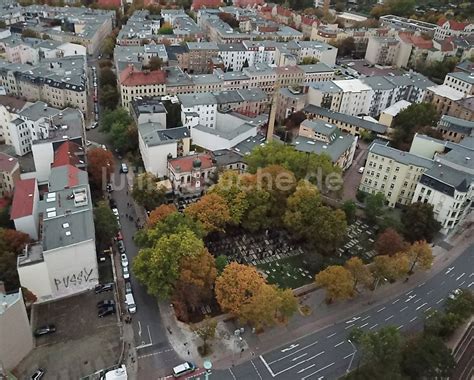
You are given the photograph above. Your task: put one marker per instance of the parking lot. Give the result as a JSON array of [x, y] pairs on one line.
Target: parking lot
[[82, 344]]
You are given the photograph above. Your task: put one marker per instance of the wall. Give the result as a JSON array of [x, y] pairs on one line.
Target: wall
[[155, 158], [214, 142], [43, 156], [16, 339], [425, 147], [35, 277]]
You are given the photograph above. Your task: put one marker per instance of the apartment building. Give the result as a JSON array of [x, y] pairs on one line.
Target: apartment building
[[443, 97], [289, 101], [24, 210], [382, 50], [9, 174], [199, 55], [403, 23], [134, 83], [9, 107], [393, 173], [455, 129], [446, 28], [318, 72], [460, 81], [148, 110]]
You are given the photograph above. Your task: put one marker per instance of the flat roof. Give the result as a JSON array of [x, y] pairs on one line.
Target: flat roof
[[401, 156]]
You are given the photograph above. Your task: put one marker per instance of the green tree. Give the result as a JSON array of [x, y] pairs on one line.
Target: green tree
[[110, 117], [345, 47], [419, 222], [123, 136], [107, 77], [360, 273], [350, 208], [105, 222], [158, 268], [309, 61], [374, 207], [146, 192], [390, 267], [108, 46], [221, 263], [156, 63], [206, 330], [109, 97], [29, 33], [462, 305], [166, 28]]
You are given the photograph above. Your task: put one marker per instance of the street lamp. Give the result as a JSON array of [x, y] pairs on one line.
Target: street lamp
[[207, 366], [353, 355]]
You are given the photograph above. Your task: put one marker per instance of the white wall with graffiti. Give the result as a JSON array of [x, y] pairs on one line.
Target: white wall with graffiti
[[64, 271]]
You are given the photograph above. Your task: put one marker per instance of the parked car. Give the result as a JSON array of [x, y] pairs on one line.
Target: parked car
[[123, 168], [116, 211], [109, 188], [103, 312], [39, 373], [183, 369], [119, 236], [124, 260], [361, 169], [112, 203], [105, 303], [455, 294], [45, 330], [100, 288], [130, 302], [126, 273], [94, 125], [128, 287], [101, 257], [121, 246]]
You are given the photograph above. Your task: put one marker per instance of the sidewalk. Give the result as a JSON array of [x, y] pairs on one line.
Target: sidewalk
[[322, 316]]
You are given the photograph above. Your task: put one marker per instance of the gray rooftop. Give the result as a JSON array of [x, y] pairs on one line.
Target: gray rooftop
[[226, 157], [154, 134], [37, 111], [326, 87], [465, 77], [191, 100], [316, 68], [228, 135], [401, 156], [446, 179], [378, 83], [320, 127], [334, 150]]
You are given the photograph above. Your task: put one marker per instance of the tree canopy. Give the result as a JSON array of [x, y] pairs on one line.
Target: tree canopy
[[101, 166], [390, 242], [160, 213], [106, 226], [337, 281], [146, 192], [419, 222], [211, 211]]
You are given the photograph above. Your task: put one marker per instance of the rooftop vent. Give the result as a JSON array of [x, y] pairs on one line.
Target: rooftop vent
[[68, 233], [65, 225]]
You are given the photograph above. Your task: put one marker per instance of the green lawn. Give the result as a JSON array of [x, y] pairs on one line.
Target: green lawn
[[286, 272]]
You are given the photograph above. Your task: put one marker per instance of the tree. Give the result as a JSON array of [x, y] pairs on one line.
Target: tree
[[360, 273], [109, 97], [110, 117], [155, 63], [419, 222], [105, 223], [337, 281], [107, 77], [206, 330], [307, 218], [228, 187], [236, 286], [390, 242], [426, 356], [309, 61], [256, 217], [108, 46], [416, 118], [29, 33], [345, 47], [390, 267], [100, 166], [14, 240], [166, 28], [159, 268], [160, 213], [221, 263], [462, 305], [350, 208], [8, 263], [229, 19], [146, 192], [212, 211], [374, 206], [420, 254]]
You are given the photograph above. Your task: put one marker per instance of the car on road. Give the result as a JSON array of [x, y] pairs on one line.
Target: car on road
[[123, 168], [128, 287], [94, 125], [124, 260], [100, 288], [45, 330], [103, 312], [105, 303], [39, 373], [96, 117], [455, 294], [361, 169], [119, 236], [109, 188], [125, 273], [183, 369], [130, 302], [112, 203], [121, 246], [116, 212]]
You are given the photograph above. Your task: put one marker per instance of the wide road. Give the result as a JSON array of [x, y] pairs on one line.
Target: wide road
[[327, 354]]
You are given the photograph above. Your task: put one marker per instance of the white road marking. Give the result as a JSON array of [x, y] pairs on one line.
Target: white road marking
[[329, 336], [411, 291], [154, 353], [319, 370], [256, 370], [232, 373], [423, 283], [441, 300], [348, 356], [362, 320], [299, 357], [139, 328], [411, 320], [394, 302], [419, 307], [267, 366], [462, 283], [299, 363], [294, 352], [428, 293], [383, 308], [472, 283], [374, 326], [428, 309], [418, 300], [458, 278], [348, 327], [401, 310], [337, 345], [410, 298], [399, 327], [290, 348], [449, 270], [353, 319], [389, 318], [304, 369], [365, 324]]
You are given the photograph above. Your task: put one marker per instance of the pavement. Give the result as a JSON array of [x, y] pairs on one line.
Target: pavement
[[352, 176]]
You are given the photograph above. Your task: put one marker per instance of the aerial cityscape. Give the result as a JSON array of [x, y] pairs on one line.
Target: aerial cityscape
[[236, 190]]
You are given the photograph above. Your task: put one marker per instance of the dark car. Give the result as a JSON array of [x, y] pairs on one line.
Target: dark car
[[44, 330], [105, 303], [39, 373], [103, 312], [109, 188], [121, 246], [112, 203], [104, 288]]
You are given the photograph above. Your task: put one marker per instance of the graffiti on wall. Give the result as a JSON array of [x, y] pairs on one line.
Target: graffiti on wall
[[76, 279]]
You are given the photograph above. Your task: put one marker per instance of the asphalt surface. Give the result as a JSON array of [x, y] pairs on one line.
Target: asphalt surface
[[327, 354]]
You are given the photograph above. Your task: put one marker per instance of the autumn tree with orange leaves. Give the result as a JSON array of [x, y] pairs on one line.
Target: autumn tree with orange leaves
[[100, 165], [390, 242], [160, 213], [212, 211]]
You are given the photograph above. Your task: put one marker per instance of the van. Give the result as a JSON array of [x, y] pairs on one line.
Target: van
[[183, 369], [130, 302]]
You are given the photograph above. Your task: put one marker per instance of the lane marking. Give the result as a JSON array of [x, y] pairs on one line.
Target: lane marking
[[449, 270], [411, 320], [297, 364], [299, 357], [401, 310], [304, 369], [419, 307], [267, 366], [294, 352], [374, 326], [462, 283], [232, 373], [428, 293], [315, 372], [154, 353], [418, 300], [410, 298], [329, 336], [458, 278], [386, 319], [411, 291], [348, 356], [256, 370], [362, 320], [365, 324], [428, 309], [394, 302], [472, 283], [289, 348], [337, 345], [441, 300], [423, 283], [383, 308], [399, 327], [348, 327]]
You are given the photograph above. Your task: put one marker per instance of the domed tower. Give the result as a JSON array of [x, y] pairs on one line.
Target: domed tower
[[196, 172]]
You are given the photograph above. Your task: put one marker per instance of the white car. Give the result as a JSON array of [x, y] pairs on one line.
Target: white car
[[93, 126], [126, 273], [361, 169], [124, 260], [454, 294], [116, 212], [88, 143]]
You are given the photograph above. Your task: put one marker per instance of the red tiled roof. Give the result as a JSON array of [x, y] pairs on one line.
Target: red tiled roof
[[185, 164], [132, 77], [284, 11], [453, 24], [245, 3], [7, 163], [110, 3], [23, 198], [72, 175], [447, 44], [308, 20], [66, 154], [198, 4], [418, 41]]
